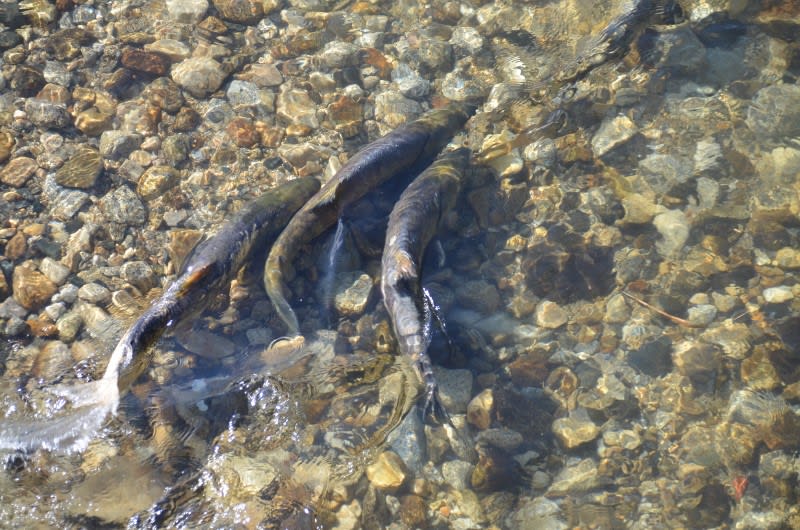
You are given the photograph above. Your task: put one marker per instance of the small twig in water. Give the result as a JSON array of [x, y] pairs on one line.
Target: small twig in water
[[677, 320]]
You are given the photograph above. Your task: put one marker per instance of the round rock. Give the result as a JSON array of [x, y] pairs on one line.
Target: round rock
[[200, 76]]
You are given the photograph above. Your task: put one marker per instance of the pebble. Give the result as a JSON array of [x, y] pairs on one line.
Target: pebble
[[7, 143], [116, 145], [478, 295], [550, 315], [674, 229], [140, 275], [702, 315], [388, 472], [775, 111], [200, 76], [575, 429], [18, 170], [47, 115], [697, 360], [505, 439], [175, 50], [295, 106], [94, 293], [156, 180], [16, 246], [457, 474], [68, 326], [480, 409], [612, 133], [187, 11], [353, 300], [148, 62], [121, 205], [240, 11], [55, 271], [576, 477], [778, 295], [30, 287], [538, 513], [263, 75], [81, 170], [206, 344], [455, 388]]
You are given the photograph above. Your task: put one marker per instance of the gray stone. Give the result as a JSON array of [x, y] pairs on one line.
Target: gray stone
[[200, 76], [55, 271], [455, 388], [187, 11], [674, 229], [94, 293], [457, 474], [778, 295], [121, 205], [115, 145], [47, 115], [775, 111]]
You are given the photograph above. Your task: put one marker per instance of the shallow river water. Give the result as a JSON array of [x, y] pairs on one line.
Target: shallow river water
[[615, 329]]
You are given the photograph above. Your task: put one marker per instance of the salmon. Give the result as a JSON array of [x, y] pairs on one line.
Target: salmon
[[406, 150], [414, 221]]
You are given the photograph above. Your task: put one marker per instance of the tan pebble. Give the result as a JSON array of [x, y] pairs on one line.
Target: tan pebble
[[479, 410], [93, 121], [388, 472], [6, 145], [42, 327], [156, 180], [82, 169], [242, 132], [31, 288], [18, 171], [16, 246]]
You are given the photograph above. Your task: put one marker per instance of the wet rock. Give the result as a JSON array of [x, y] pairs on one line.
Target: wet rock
[[496, 469], [240, 11], [674, 229], [480, 409], [165, 94], [775, 111], [81, 170], [115, 145], [396, 108], [410, 83], [702, 315], [388, 472], [31, 288], [550, 315], [576, 429], [26, 81], [140, 275], [457, 474], [576, 477], [696, 360], [53, 361], [242, 132], [296, 106], [16, 246], [17, 172], [538, 513], [7, 143], [187, 11], [206, 344], [176, 148], [121, 205], [505, 439], [478, 295], [778, 295], [143, 61], [354, 298], [200, 76], [262, 75], [613, 133], [408, 441], [174, 50], [455, 388], [339, 54], [156, 180], [47, 115], [759, 372], [94, 293], [55, 271], [68, 326], [413, 511], [638, 209]]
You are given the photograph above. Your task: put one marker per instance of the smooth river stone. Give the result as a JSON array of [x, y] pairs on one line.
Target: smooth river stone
[[82, 170]]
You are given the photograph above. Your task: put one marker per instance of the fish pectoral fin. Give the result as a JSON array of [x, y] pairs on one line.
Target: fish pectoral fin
[[194, 277]]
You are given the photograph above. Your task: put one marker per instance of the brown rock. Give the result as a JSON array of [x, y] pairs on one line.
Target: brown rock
[[186, 120], [3, 285], [82, 169], [6, 145], [242, 132], [388, 472], [142, 61], [16, 246], [41, 327], [156, 180], [93, 121], [18, 171], [240, 11], [479, 410], [31, 288], [413, 511], [54, 94]]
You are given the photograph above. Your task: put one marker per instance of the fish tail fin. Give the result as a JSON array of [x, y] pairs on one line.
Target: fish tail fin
[[71, 431]]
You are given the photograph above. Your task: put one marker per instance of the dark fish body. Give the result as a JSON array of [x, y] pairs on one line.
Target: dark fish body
[[210, 267], [413, 223], [408, 148]]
